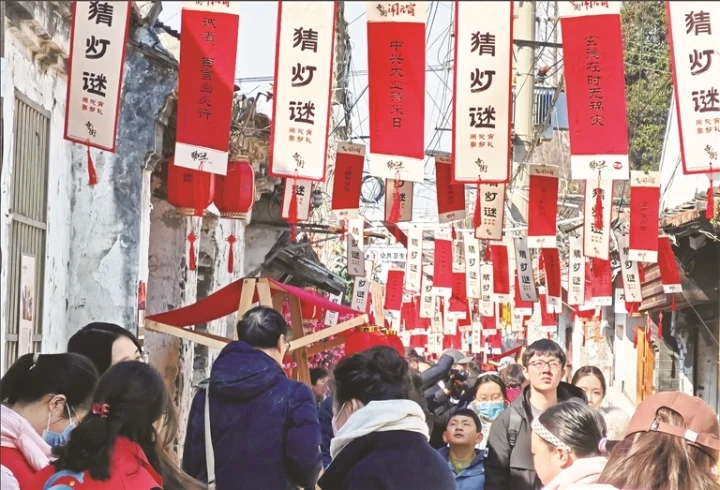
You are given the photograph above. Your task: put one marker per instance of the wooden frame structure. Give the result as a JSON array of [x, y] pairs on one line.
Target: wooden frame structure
[[271, 295]]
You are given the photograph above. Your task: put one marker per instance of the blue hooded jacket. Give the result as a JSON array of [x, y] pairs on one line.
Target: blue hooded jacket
[[264, 427], [472, 477]]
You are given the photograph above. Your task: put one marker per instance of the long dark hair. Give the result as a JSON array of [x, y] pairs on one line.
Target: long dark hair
[[95, 341], [136, 398], [378, 373], [579, 426], [34, 376], [586, 371]]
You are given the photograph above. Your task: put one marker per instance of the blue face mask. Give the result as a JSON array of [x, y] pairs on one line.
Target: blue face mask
[[53, 438], [489, 410]]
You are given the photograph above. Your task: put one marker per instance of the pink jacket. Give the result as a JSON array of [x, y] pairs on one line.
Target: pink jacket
[[17, 433], [583, 472]]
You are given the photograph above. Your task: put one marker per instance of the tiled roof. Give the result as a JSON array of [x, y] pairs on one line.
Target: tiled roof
[[690, 211]]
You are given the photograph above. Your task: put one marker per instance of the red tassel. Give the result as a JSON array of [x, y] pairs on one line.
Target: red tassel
[[583, 338], [92, 175], [660, 327], [635, 337], [549, 336], [641, 272], [710, 208], [598, 206], [192, 237], [488, 255], [343, 230], [293, 212], [231, 254], [478, 205], [395, 209], [673, 306], [454, 233]]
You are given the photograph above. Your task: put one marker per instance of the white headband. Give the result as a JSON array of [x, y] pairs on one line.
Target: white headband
[[548, 436]]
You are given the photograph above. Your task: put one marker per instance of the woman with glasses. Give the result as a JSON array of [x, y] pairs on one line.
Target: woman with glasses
[[489, 401], [106, 344], [43, 398], [123, 441]]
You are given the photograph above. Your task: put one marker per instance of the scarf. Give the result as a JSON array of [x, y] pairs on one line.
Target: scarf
[[17, 433], [582, 471], [380, 416]]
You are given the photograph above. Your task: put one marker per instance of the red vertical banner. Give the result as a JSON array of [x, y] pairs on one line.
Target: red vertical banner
[[644, 216], [602, 288], [548, 321], [542, 206], [459, 286], [302, 93], [597, 207], [442, 270], [553, 285], [394, 290], [501, 273], [592, 42], [347, 180], [669, 272], [482, 88], [396, 81], [694, 35], [450, 197], [206, 82]]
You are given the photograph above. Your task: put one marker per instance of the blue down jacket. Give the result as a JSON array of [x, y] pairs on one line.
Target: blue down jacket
[[264, 427]]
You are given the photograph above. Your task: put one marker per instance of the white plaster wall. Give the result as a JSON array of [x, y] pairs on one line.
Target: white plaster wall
[[258, 242], [49, 91]]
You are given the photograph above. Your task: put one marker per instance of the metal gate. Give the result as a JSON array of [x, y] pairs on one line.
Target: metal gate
[[28, 215]]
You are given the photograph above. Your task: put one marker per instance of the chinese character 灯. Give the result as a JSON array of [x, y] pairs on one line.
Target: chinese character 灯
[[697, 63], [302, 112], [302, 75], [307, 39], [94, 83], [101, 12], [476, 80], [483, 43], [92, 45]]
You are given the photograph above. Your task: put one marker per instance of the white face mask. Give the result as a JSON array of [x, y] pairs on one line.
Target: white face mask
[[335, 417]]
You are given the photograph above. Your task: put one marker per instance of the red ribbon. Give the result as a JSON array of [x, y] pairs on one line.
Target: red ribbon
[[660, 326], [673, 307], [231, 254], [641, 272], [454, 234], [343, 230], [478, 204], [635, 337], [710, 207], [92, 175], [293, 212], [100, 409], [192, 237], [598, 206], [395, 209]]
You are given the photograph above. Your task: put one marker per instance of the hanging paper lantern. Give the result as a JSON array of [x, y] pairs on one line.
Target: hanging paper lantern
[[190, 191], [364, 338], [235, 192], [310, 312], [395, 342]]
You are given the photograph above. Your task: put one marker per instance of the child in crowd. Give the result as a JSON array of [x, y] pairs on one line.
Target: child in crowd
[[463, 434]]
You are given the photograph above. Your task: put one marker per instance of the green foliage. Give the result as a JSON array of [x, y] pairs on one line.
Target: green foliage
[[648, 80]]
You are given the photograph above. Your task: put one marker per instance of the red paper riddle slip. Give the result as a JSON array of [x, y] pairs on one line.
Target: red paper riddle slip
[[501, 273], [669, 272], [396, 81], [542, 208], [602, 288], [450, 197], [302, 92], [394, 290], [553, 285], [399, 200], [694, 35], [443, 259], [347, 180], [592, 42], [482, 105], [206, 81], [644, 216]]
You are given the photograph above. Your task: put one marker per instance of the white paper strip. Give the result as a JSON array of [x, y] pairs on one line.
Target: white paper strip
[[597, 241], [96, 72], [303, 193], [427, 298], [361, 294], [449, 320], [620, 301], [436, 322], [523, 262], [472, 266], [458, 264], [331, 317], [483, 102], [630, 272], [576, 273], [406, 199], [303, 89], [210, 6], [413, 265], [487, 307], [355, 246], [576, 8], [492, 212]]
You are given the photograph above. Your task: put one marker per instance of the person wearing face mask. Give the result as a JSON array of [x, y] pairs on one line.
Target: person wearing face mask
[[43, 398], [490, 400], [381, 438], [514, 381]]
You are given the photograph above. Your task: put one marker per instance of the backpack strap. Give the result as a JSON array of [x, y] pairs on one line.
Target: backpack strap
[[514, 427], [209, 450]]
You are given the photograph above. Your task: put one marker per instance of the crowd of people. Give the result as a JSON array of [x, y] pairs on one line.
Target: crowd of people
[[100, 417]]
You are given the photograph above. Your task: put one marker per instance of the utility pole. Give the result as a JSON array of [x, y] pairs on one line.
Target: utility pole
[[524, 29]]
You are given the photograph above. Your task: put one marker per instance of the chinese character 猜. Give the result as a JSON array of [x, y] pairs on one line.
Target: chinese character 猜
[[523, 254], [94, 83], [92, 45], [699, 22], [302, 112], [482, 117], [307, 39], [706, 100], [302, 75], [696, 61], [483, 43], [476, 80], [101, 12]]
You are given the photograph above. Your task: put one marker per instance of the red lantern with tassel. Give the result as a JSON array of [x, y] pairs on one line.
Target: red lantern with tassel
[[235, 192], [364, 338], [395, 342], [190, 191]]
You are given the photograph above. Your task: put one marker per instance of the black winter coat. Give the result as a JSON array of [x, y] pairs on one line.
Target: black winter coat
[[512, 467]]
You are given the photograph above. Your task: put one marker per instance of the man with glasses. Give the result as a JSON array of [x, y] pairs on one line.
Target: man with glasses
[[510, 460]]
